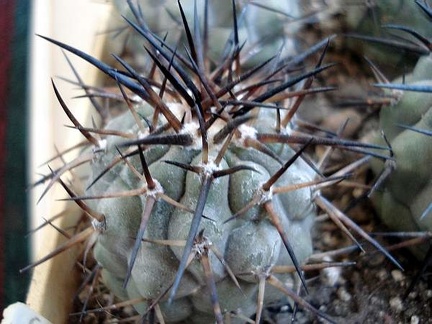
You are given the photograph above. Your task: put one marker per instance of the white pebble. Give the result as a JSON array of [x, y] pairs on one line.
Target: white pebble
[[327, 238], [415, 319], [397, 275], [396, 303], [382, 275], [343, 294], [332, 275]]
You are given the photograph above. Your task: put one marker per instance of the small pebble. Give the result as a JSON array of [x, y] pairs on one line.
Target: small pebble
[[382, 275], [396, 303], [415, 319], [397, 275], [331, 276], [343, 294], [429, 293], [327, 238]]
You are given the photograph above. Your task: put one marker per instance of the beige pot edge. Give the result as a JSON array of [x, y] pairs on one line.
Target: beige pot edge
[[81, 24]]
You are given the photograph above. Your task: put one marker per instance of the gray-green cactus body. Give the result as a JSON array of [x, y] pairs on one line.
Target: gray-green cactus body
[[372, 19], [408, 191], [196, 188], [368, 17], [265, 28], [249, 244]]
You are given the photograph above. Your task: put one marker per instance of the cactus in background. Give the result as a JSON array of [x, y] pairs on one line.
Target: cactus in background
[[404, 204], [201, 186], [264, 29], [371, 15], [369, 26]]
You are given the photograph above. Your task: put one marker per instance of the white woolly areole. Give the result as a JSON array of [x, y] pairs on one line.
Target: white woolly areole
[[192, 128], [264, 195], [209, 168], [141, 134], [99, 226], [199, 248], [101, 147], [246, 132], [396, 97], [158, 189], [99, 150]]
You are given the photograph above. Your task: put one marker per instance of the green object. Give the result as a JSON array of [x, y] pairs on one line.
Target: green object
[[368, 18], [377, 20], [249, 244], [225, 220], [265, 28], [198, 191], [408, 191]]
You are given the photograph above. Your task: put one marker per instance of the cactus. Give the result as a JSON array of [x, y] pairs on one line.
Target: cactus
[[404, 203], [201, 186], [264, 27], [218, 189], [369, 17], [370, 27]]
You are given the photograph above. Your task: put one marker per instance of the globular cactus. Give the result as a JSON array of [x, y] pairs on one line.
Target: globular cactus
[[209, 190], [370, 29], [371, 16], [404, 203], [200, 196]]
